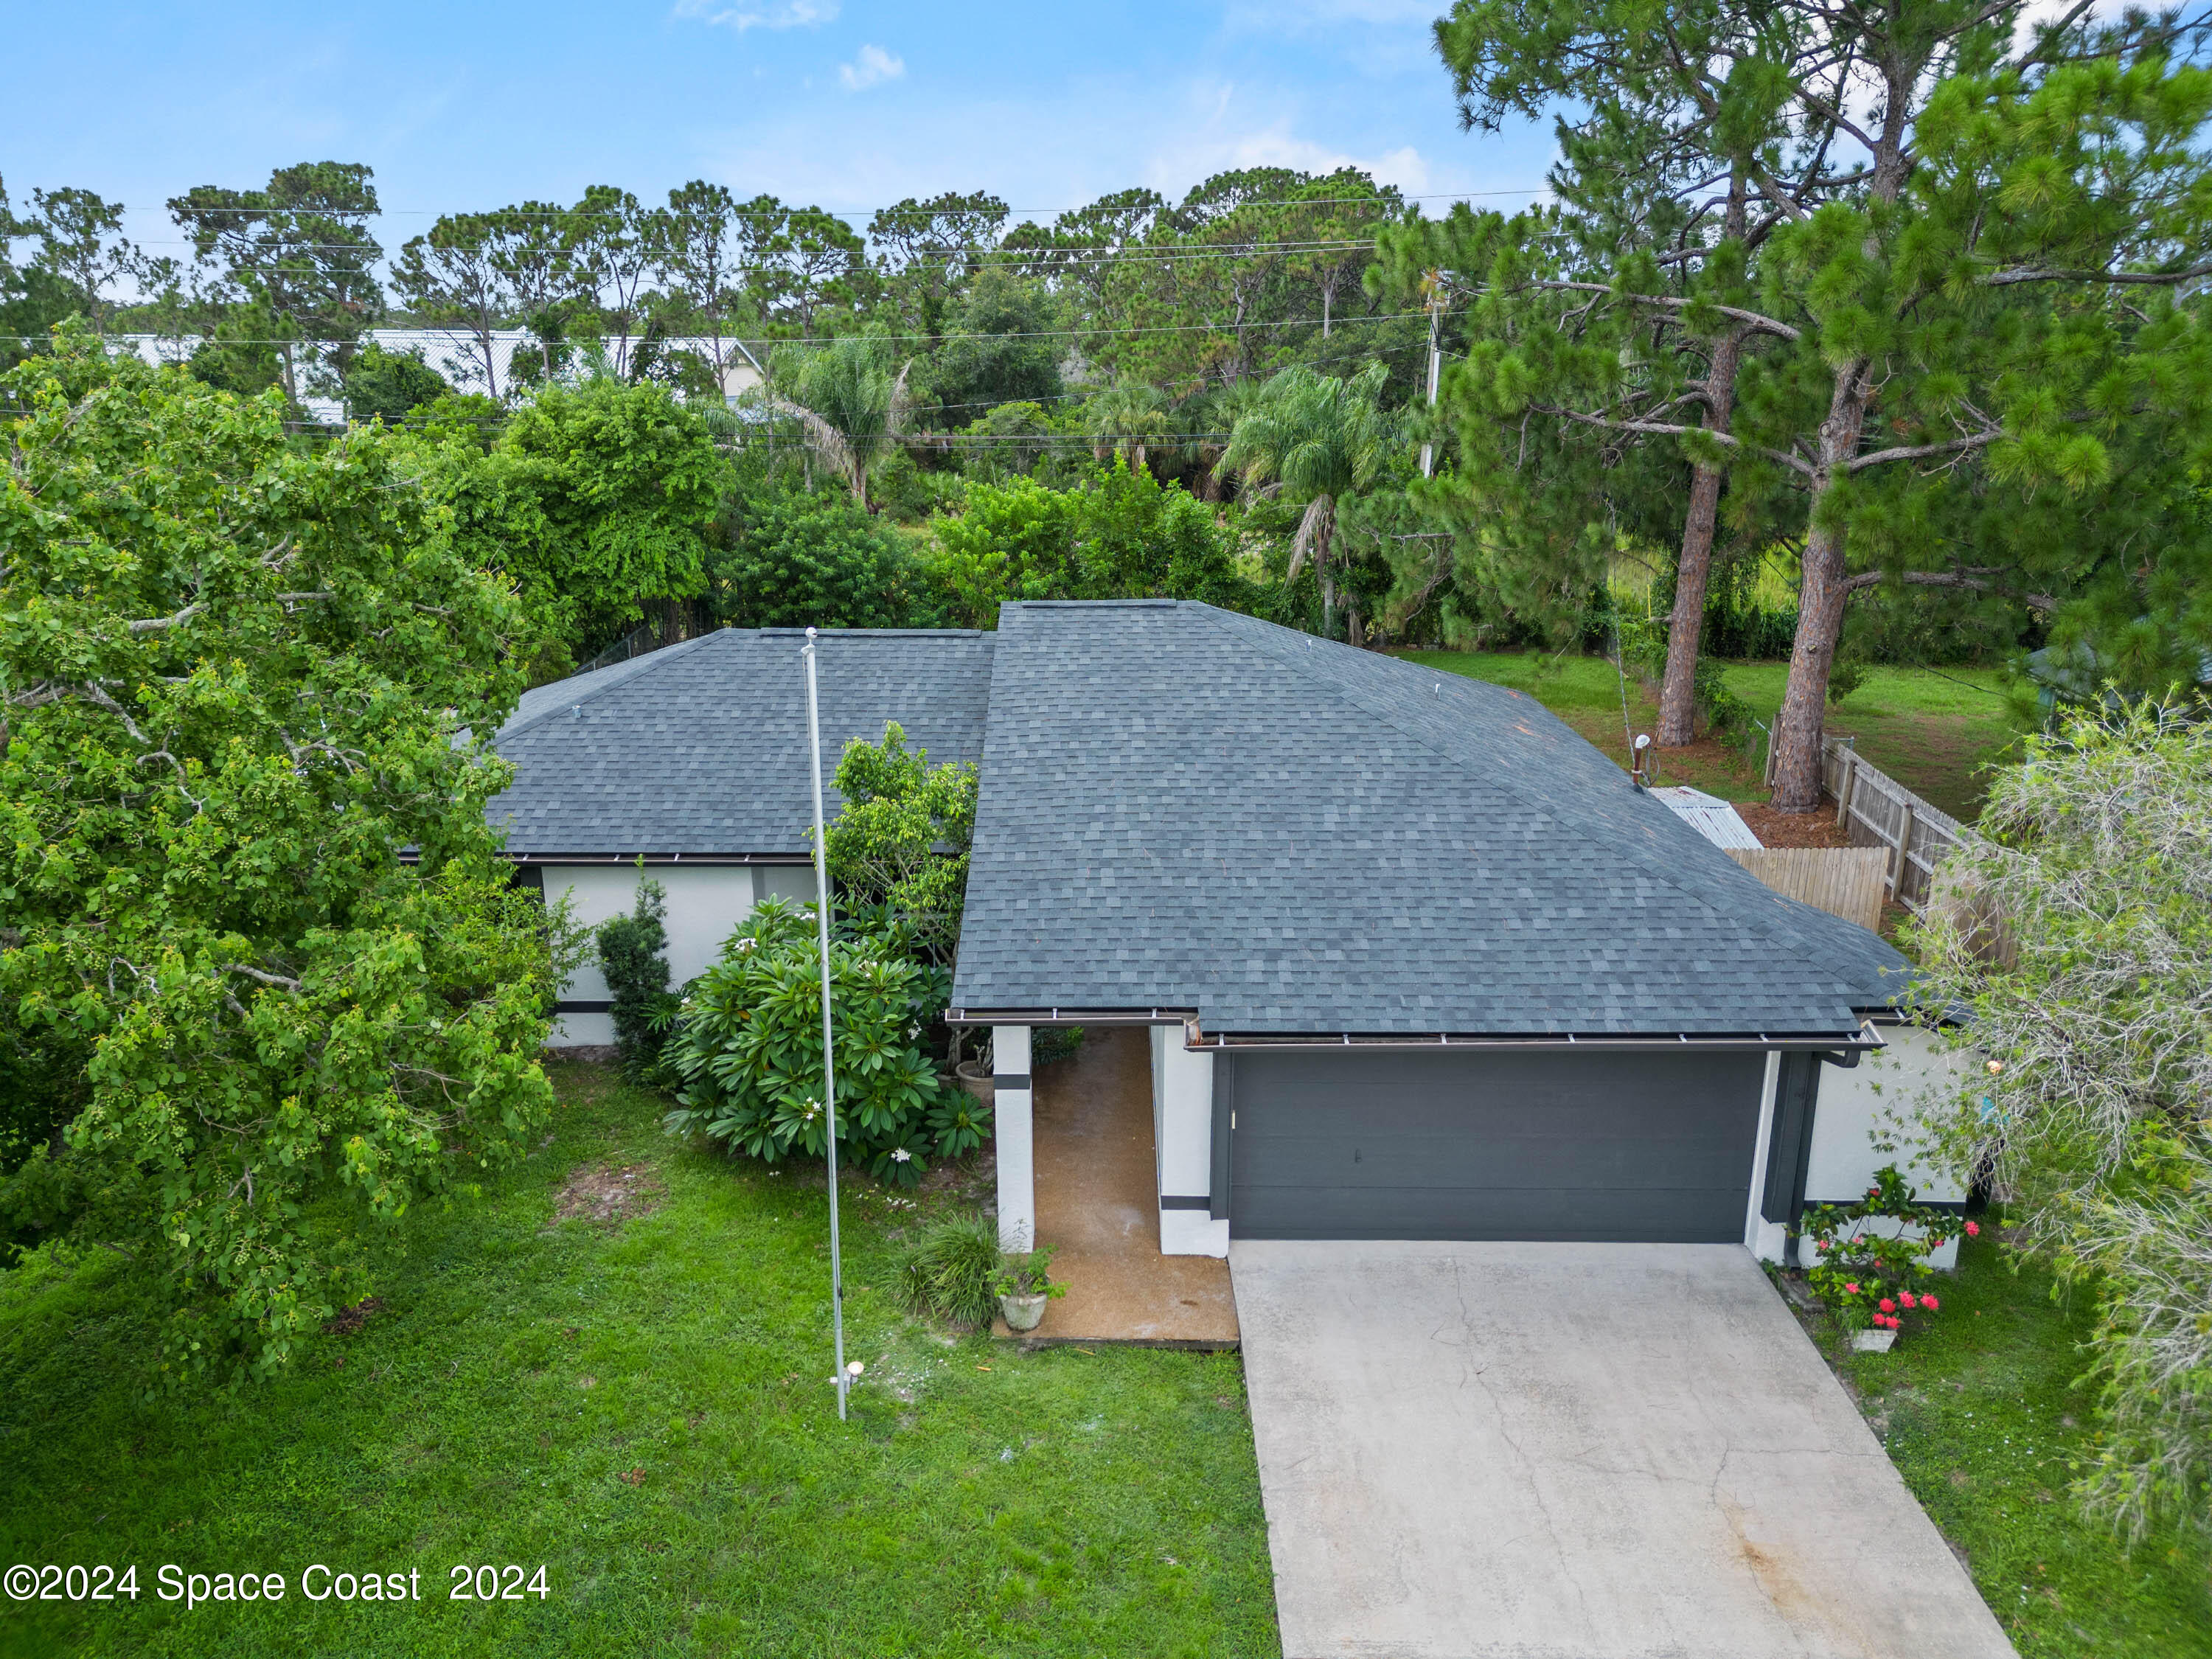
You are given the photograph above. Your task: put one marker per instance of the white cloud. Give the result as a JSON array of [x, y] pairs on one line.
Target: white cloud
[[1212, 143], [761, 14], [874, 65], [1276, 13]]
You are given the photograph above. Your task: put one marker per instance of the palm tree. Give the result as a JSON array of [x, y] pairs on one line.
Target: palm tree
[[1317, 439], [1207, 417], [1123, 418], [845, 396]]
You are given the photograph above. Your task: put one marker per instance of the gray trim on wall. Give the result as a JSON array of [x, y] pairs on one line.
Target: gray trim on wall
[[1201, 1202], [1225, 1123], [1010, 1080], [1789, 1135], [800, 860]]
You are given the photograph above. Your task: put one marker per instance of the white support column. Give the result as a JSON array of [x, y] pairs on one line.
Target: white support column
[[1764, 1239], [1182, 1084], [1015, 1142]]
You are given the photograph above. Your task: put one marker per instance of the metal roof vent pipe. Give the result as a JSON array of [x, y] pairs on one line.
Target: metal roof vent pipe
[[1636, 772]]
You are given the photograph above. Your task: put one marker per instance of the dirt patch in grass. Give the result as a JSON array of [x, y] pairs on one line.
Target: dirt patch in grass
[[609, 1193], [967, 1180], [349, 1319], [1776, 829]]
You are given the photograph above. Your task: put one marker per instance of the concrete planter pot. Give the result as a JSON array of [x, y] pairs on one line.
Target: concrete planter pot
[[1872, 1341], [975, 1078], [1022, 1313]]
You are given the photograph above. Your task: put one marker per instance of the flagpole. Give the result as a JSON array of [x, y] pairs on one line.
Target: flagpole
[[829, 1050]]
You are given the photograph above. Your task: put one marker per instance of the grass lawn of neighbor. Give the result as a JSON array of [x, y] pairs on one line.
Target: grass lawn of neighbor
[[641, 1407], [1933, 730], [1981, 1414]]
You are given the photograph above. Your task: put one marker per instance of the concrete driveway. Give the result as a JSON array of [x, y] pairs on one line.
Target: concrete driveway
[[1591, 1451]]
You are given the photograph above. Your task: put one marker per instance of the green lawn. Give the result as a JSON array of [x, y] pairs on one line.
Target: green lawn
[[643, 1409], [1981, 1415], [1932, 730]]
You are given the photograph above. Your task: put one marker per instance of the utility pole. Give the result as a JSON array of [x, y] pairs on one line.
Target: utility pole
[[1433, 285]]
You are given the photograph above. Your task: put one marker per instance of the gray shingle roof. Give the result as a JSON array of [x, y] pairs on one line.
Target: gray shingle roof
[[700, 748], [1185, 808]]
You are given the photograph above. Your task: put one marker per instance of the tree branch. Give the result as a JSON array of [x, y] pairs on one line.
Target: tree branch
[[151, 624], [2030, 274], [1922, 452], [275, 980], [1665, 429], [1972, 581], [1758, 323]]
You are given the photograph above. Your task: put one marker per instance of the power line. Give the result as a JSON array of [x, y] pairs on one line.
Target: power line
[[1094, 253], [1015, 334], [783, 211]]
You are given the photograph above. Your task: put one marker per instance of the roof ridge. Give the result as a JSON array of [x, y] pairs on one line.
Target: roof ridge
[[871, 633], [666, 654], [1794, 943]]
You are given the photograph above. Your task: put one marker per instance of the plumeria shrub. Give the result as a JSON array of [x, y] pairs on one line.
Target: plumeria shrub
[[1874, 1273], [746, 1049]]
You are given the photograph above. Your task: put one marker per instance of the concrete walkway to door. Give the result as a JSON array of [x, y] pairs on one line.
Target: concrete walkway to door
[[1097, 1206], [1574, 1451]]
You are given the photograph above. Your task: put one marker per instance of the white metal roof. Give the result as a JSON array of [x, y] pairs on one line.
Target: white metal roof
[[1709, 814]]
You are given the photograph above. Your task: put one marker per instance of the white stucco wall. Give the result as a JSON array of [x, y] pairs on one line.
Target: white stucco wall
[[705, 902], [1013, 1136], [1880, 1096], [1183, 1144]]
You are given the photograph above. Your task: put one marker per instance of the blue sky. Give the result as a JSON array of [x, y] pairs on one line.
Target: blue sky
[[847, 103]]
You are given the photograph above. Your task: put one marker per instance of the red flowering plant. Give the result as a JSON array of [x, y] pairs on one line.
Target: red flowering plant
[[1873, 1275]]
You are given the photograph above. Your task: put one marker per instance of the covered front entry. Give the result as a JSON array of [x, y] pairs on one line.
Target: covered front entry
[[1624, 1146]]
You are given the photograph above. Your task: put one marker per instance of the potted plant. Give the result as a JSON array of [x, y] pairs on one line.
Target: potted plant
[[1874, 1277], [1025, 1286], [973, 1073], [975, 1076]]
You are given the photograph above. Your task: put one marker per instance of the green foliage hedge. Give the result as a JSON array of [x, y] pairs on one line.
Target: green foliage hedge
[[796, 560]]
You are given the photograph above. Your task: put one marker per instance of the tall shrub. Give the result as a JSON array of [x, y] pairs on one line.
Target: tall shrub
[[798, 560], [634, 961], [902, 838], [2076, 944], [747, 1049]]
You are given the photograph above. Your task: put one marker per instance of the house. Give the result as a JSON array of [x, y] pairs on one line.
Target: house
[[460, 356], [1415, 960]]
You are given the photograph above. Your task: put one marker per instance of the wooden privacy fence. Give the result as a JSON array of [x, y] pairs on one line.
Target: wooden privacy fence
[[1850, 882], [1876, 810]]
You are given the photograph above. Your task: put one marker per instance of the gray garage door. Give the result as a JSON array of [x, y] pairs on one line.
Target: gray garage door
[[1622, 1147]]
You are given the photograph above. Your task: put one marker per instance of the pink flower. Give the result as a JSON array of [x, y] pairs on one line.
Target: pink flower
[[1886, 1306], [1930, 1304], [1906, 1297], [1852, 1288], [1973, 1230]]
